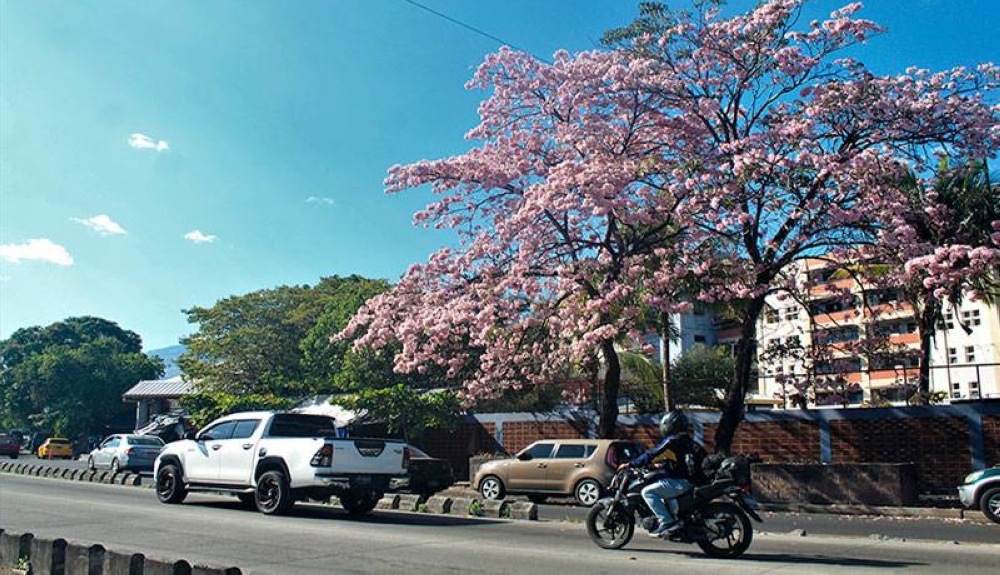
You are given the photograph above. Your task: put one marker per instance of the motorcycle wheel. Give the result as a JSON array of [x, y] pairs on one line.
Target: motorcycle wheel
[[728, 531], [610, 528]]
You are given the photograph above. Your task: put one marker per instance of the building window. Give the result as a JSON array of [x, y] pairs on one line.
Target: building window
[[699, 339], [971, 318], [791, 314], [793, 342], [771, 316], [974, 389], [956, 390], [952, 355], [970, 354]]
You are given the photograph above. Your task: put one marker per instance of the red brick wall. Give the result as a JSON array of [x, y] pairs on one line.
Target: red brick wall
[[646, 434], [519, 434], [774, 442], [457, 446], [991, 437], [940, 446]]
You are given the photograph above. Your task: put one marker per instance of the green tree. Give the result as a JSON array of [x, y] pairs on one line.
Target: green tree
[[699, 372], [274, 342], [69, 376], [406, 410]]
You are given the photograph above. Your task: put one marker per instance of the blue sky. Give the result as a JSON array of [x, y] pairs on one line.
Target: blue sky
[[264, 131]]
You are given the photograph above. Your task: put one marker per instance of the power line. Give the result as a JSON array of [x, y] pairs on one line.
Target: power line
[[471, 28]]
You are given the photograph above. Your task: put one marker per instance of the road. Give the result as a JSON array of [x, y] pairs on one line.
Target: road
[[321, 539]]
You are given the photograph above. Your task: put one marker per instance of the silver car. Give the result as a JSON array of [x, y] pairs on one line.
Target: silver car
[[125, 451]]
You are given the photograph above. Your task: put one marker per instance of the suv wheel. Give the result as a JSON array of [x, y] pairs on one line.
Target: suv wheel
[[115, 467], [90, 464], [170, 484], [990, 504], [273, 495], [492, 488], [587, 492]]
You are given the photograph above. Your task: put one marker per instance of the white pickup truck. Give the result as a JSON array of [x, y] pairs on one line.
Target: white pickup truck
[[270, 460]]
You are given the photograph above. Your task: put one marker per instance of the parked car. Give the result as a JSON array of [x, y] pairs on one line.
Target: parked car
[[427, 475], [577, 467], [10, 446], [56, 448], [982, 489], [271, 460], [126, 451]]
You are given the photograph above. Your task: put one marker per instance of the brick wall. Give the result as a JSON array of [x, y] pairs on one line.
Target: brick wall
[[519, 434], [773, 442], [940, 446], [991, 438], [646, 434]]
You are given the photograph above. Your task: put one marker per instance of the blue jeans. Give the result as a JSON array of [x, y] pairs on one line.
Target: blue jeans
[[668, 489]]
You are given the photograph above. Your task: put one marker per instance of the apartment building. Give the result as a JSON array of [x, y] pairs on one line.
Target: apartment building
[[855, 343]]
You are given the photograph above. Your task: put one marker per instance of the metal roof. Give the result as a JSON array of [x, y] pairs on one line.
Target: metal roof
[[171, 388]]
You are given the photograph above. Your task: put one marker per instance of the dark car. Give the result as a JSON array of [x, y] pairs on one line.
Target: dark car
[[428, 475], [10, 446]]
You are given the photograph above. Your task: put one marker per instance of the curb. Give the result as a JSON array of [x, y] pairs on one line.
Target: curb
[[124, 478], [914, 512]]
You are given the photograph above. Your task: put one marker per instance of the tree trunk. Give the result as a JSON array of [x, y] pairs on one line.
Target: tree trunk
[[734, 402], [665, 332], [607, 427], [929, 312]]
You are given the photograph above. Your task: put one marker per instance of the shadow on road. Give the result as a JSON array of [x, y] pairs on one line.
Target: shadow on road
[[324, 513], [790, 559]]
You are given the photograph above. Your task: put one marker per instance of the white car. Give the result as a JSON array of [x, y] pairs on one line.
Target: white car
[[270, 460]]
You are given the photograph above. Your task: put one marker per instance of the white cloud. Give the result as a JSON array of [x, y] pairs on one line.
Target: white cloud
[[144, 142], [199, 238], [102, 224], [324, 201], [38, 249]]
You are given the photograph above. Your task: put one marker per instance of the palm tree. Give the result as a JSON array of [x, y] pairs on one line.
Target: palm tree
[[972, 202]]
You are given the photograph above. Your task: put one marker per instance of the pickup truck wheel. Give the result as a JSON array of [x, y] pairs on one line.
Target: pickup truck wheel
[[170, 485], [357, 504], [273, 495]]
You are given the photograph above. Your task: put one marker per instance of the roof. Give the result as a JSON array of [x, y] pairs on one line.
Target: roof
[[171, 388]]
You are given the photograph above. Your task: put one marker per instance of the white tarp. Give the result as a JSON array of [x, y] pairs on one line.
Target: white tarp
[[322, 406]]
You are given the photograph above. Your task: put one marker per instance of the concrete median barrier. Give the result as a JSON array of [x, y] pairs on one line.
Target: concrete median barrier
[[48, 556], [61, 557], [439, 504], [84, 559], [388, 502], [409, 502], [496, 508], [524, 510]]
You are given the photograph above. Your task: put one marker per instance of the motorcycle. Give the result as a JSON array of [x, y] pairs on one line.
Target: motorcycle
[[714, 515]]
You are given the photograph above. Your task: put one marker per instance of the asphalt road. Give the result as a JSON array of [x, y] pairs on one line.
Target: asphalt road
[[319, 539]]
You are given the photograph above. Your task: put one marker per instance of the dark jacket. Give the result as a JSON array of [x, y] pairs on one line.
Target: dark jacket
[[681, 445]]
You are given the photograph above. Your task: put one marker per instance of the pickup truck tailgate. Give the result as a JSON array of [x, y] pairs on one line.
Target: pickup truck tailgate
[[367, 456]]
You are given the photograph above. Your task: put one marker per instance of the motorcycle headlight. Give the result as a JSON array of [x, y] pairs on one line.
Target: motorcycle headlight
[[973, 477]]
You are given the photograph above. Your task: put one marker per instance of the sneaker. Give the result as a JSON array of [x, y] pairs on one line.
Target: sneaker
[[663, 528]]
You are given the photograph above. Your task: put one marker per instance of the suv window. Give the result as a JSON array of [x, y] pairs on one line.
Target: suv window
[[298, 425], [144, 441], [220, 431], [245, 428], [541, 451], [574, 451]]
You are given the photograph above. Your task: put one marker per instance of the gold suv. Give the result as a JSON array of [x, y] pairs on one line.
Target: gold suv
[[577, 467]]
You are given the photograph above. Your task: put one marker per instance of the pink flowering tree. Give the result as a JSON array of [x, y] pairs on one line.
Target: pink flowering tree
[[783, 150], [568, 235], [743, 140], [945, 245]]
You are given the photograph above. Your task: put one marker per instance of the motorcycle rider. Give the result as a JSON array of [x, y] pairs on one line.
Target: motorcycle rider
[[673, 475]]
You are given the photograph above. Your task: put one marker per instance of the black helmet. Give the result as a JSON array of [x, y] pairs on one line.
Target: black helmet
[[674, 422]]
